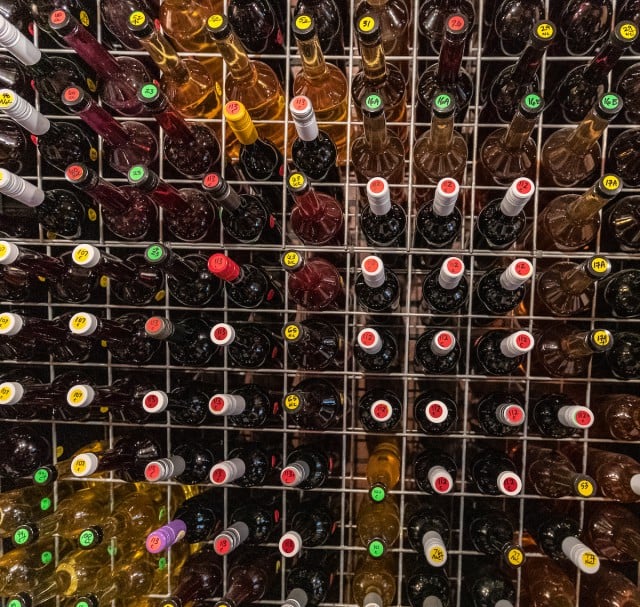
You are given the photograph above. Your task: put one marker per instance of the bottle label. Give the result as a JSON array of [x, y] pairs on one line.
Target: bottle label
[[599, 265], [443, 101], [296, 180], [303, 22], [366, 24], [602, 338], [376, 549], [46, 557], [610, 102], [291, 259], [545, 30], [373, 102], [137, 18], [532, 102], [148, 91], [585, 488], [628, 31], [291, 402], [6, 99], [291, 332], [84, 18], [45, 504], [515, 556]]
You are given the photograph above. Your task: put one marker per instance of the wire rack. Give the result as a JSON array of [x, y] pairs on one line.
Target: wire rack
[[408, 322]]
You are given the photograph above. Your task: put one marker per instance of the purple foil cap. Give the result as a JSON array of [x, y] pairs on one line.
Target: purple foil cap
[[166, 536]]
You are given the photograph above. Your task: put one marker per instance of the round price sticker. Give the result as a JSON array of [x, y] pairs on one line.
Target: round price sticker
[[153, 324], [217, 403], [378, 494], [296, 180], [590, 560], [76, 397], [456, 23], [288, 546], [215, 21], [291, 259], [584, 417], [303, 22], [46, 557], [366, 24], [602, 338], [368, 338], [510, 484], [220, 333], [222, 545], [71, 94], [442, 484], [291, 402], [154, 252], [376, 186], [300, 102], [6, 393], [86, 538], [92, 215], [74, 172], [373, 102], [523, 268], [152, 471], [585, 488], [445, 339], [371, 264], [515, 556], [136, 173], [515, 414], [149, 91], [435, 410], [288, 476], [454, 265], [232, 108], [219, 475], [523, 340], [443, 101], [381, 411], [291, 332], [5, 321], [21, 536], [211, 180], [523, 186], [437, 555], [376, 548], [610, 182], [3, 249], [78, 465], [545, 30], [610, 101], [137, 18], [41, 476], [599, 265], [532, 101], [80, 254], [79, 321], [6, 99], [84, 18], [628, 30], [448, 186], [45, 504]]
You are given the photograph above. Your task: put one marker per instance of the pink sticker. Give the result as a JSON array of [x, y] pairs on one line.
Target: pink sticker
[[211, 180]]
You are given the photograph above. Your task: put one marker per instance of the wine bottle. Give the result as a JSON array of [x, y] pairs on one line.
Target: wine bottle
[[26, 504], [314, 344], [394, 19], [428, 531], [308, 467], [499, 352], [315, 284], [46, 475], [515, 82], [379, 410], [185, 23], [612, 587], [119, 78], [115, 17], [628, 88], [617, 475], [188, 464], [486, 586], [623, 157], [59, 143], [131, 280], [313, 523], [567, 288], [188, 278], [187, 404], [566, 351], [376, 350], [245, 218], [250, 346], [378, 525], [617, 416], [383, 470], [624, 358], [437, 352], [250, 524], [428, 586], [545, 582], [124, 336], [15, 226], [16, 154], [249, 406], [441, 151], [326, 16], [249, 579], [502, 290], [376, 287], [128, 143], [316, 218], [630, 10], [500, 414], [492, 533], [314, 404], [192, 148], [439, 221], [374, 581], [493, 473], [383, 222], [18, 285], [435, 412], [127, 213], [584, 25], [188, 339], [310, 581], [199, 579], [434, 472], [514, 20], [58, 211], [613, 531], [448, 75], [581, 88], [249, 465], [570, 156], [432, 18], [445, 290], [81, 10], [558, 416]]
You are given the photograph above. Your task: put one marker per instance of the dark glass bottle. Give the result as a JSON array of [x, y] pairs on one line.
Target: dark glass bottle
[[584, 23], [187, 405], [488, 587], [115, 17], [250, 524], [437, 352], [377, 288], [249, 346], [500, 414], [500, 352], [376, 350], [188, 464], [429, 531], [13, 74], [15, 226], [248, 406], [379, 410], [383, 222], [16, 154], [435, 412], [439, 222], [428, 587], [308, 467], [628, 88], [622, 294], [17, 12], [81, 10], [326, 16], [432, 19], [314, 344], [22, 452], [314, 404], [495, 474], [624, 159], [445, 290], [249, 579], [249, 465], [501, 290], [514, 21], [312, 523], [199, 579], [624, 358], [188, 339], [435, 472], [310, 581]]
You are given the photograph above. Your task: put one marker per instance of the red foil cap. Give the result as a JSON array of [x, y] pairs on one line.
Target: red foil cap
[[223, 267]]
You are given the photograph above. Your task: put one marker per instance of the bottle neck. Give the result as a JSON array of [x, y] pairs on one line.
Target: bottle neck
[[576, 280], [603, 62], [313, 63], [576, 345], [40, 265], [373, 63], [450, 61], [116, 460], [375, 132], [441, 133], [181, 270], [113, 330], [527, 65], [115, 268], [308, 204], [306, 527], [586, 134], [104, 124], [113, 399], [174, 125], [109, 196], [562, 476], [168, 197], [518, 132], [241, 591], [586, 206], [45, 330], [236, 58], [166, 57]]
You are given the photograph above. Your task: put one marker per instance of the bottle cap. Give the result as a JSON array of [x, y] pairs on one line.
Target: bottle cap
[[376, 548], [294, 474], [60, 19], [517, 344], [240, 122], [543, 33], [372, 106], [156, 254], [292, 402], [8, 252], [75, 98], [381, 410], [609, 186], [290, 544], [635, 484], [142, 177], [304, 117], [443, 342], [292, 260], [598, 267], [580, 555], [575, 416], [510, 415], [303, 27], [377, 492], [297, 597], [600, 340], [446, 196], [434, 549], [139, 24], [17, 44], [509, 483], [609, 105], [440, 480], [10, 324], [432, 601], [84, 464], [78, 174], [584, 486], [11, 392], [451, 273], [379, 195], [19, 189], [150, 93], [368, 29], [227, 404], [25, 534], [436, 411], [158, 470], [86, 256], [80, 395], [297, 182], [372, 599], [370, 341], [293, 332], [443, 105], [624, 34], [517, 196], [229, 539], [157, 327], [83, 323], [223, 267], [227, 471], [222, 334], [45, 475], [457, 27], [22, 112], [531, 105], [514, 555], [155, 401], [373, 271], [516, 274], [90, 537], [218, 26], [164, 537]]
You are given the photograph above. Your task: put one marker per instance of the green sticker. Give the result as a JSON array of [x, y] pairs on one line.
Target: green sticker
[[41, 476], [443, 101], [82, 603], [45, 503], [610, 101], [373, 102], [46, 557], [137, 173], [149, 91], [112, 550], [378, 494], [15, 603], [21, 536], [376, 548], [87, 537], [532, 101], [154, 252], [162, 564], [162, 514]]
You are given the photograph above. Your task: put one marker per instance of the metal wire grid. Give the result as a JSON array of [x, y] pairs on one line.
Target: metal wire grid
[[408, 322]]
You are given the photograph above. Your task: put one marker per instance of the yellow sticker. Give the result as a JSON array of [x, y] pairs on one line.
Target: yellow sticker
[[137, 18], [296, 180], [76, 396], [278, 565], [41, 278], [601, 337], [93, 87], [599, 265], [366, 24], [515, 557], [628, 31], [59, 451], [611, 182], [93, 154], [104, 409], [218, 89], [5, 321], [3, 249], [6, 99], [303, 22], [6, 393], [78, 465], [104, 281], [291, 401], [92, 215], [291, 332], [160, 295], [80, 254], [545, 31], [79, 321], [437, 554], [215, 21], [291, 259], [586, 488], [51, 235], [590, 560], [84, 18], [103, 343]]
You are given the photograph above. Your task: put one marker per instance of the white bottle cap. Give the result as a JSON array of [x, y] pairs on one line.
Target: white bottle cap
[[451, 273], [22, 112], [516, 274], [227, 471], [80, 395], [517, 196], [440, 480], [11, 392], [379, 195], [510, 415], [580, 555], [294, 474], [229, 539], [381, 410], [17, 44], [227, 404], [517, 344], [575, 416], [83, 323], [222, 334], [8, 252], [84, 464], [509, 483], [432, 601], [635, 484], [19, 189], [446, 196], [372, 271], [10, 323], [372, 599], [86, 255], [155, 401], [296, 598], [443, 342], [370, 341], [436, 411], [290, 544], [503, 603], [434, 549], [304, 118]]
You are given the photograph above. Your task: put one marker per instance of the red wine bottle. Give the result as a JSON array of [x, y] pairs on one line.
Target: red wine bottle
[[376, 349], [513, 22], [314, 404], [439, 222], [13, 75], [429, 531], [379, 410], [128, 143], [432, 18], [622, 294], [188, 405], [437, 352], [17, 285], [115, 17], [445, 290], [249, 579], [188, 464], [249, 406], [500, 414], [126, 212], [313, 344], [81, 10], [188, 339], [558, 416], [312, 523], [250, 524], [249, 465], [16, 153], [501, 290], [584, 24], [244, 217], [499, 352], [492, 532], [383, 222], [495, 474], [246, 285], [308, 467], [191, 148], [435, 472], [377, 288], [248, 346], [435, 412]]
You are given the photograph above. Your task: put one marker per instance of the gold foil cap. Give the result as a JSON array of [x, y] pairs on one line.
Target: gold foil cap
[[240, 122]]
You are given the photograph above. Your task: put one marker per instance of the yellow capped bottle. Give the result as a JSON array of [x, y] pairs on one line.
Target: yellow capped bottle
[[378, 525], [46, 475], [374, 582], [383, 470]]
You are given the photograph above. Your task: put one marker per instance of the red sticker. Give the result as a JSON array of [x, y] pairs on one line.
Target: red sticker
[[523, 186], [300, 102], [152, 472], [220, 332], [74, 172], [454, 265], [456, 23], [435, 410], [279, 38], [272, 221], [211, 180], [371, 264], [448, 186], [523, 268], [288, 546], [233, 107], [281, 170], [71, 94], [515, 414], [34, 140], [276, 516], [445, 339], [219, 475], [153, 542], [270, 294], [442, 484], [217, 403], [223, 545], [151, 401], [510, 484], [368, 338], [381, 410], [57, 17], [376, 186], [583, 417], [288, 476], [523, 340], [153, 325]]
